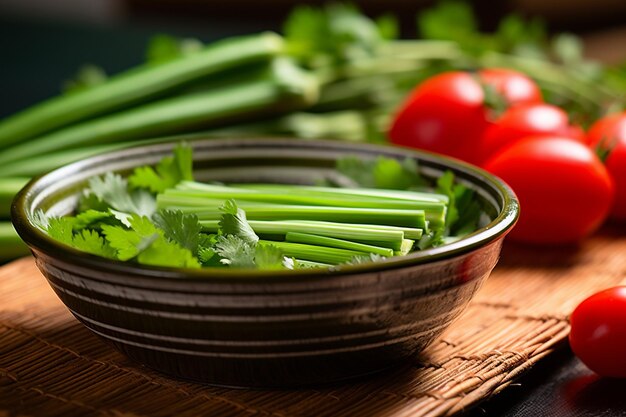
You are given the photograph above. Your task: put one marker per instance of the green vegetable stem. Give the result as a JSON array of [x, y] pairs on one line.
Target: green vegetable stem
[[137, 85], [285, 88]]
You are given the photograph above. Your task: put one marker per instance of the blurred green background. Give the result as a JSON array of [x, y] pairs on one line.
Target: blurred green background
[[43, 42]]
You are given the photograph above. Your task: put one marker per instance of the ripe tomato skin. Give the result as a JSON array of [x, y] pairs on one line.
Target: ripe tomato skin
[[606, 128], [526, 120], [610, 132], [565, 192], [444, 114], [514, 86], [447, 114], [598, 332]]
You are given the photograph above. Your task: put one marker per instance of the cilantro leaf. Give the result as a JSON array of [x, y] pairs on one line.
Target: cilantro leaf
[[90, 241], [382, 172], [147, 243], [112, 189], [235, 251], [61, 229], [464, 211], [469, 211], [178, 227], [127, 243], [89, 218], [337, 34], [268, 256], [234, 222], [361, 171], [165, 253], [445, 186], [167, 173]]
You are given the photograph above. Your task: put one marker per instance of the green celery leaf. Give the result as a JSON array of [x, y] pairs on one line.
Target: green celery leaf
[[234, 222], [178, 227], [445, 186], [167, 173]]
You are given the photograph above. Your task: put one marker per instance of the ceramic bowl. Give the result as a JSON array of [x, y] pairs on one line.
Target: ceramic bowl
[[264, 329]]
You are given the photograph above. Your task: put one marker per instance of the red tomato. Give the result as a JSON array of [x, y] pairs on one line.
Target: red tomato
[[527, 120], [564, 190], [447, 114], [609, 133], [598, 334], [514, 86], [605, 128]]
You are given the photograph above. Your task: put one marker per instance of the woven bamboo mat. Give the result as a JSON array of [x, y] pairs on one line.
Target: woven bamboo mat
[[51, 366]]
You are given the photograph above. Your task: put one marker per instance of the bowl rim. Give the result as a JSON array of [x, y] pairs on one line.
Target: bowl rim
[[39, 241]]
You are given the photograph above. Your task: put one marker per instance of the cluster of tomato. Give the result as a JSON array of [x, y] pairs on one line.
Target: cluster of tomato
[[565, 190], [568, 181]]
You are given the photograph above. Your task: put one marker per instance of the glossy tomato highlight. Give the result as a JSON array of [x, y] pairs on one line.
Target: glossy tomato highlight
[[447, 113], [515, 87], [598, 332], [527, 120], [565, 192]]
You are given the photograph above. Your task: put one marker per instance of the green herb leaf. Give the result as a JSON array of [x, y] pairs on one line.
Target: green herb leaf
[[146, 242], [90, 241], [234, 251], [165, 253], [167, 173], [382, 172], [178, 227], [90, 218], [337, 34], [112, 189], [268, 256], [61, 229], [234, 222]]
